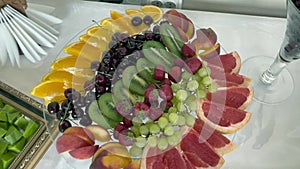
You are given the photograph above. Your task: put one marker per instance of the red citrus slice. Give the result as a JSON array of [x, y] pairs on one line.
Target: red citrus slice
[[217, 141], [236, 97], [229, 63], [228, 79], [223, 118]]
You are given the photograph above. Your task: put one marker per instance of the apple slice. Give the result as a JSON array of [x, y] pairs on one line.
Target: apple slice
[[66, 143], [211, 52], [99, 133], [81, 133], [84, 152]]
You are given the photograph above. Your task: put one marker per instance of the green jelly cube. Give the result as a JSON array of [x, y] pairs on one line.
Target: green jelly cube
[[12, 135], [8, 108], [31, 128], [21, 122], [3, 146], [1, 164], [13, 116], [1, 103], [4, 125], [7, 159], [18, 146], [3, 116], [2, 132]]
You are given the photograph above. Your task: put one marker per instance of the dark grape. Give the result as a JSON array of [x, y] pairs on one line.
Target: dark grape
[[106, 58], [112, 43], [67, 91], [95, 65], [61, 115], [63, 125], [89, 85], [122, 51], [123, 37], [90, 97], [156, 29], [140, 37], [53, 107], [148, 20], [77, 113], [67, 105], [116, 36], [131, 45], [85, 120], [80, 102], [149, 35], [74, 96], [100, 79], [157, 37], [136, 21]]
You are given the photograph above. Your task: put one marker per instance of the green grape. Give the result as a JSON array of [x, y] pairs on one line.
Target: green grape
[[169, 130], [140, 142], [173, 118], [186, 76], [201, 94], [196, 77], [212, 88], [201, 86], [152, 141], [207, 80], [154, 128], [173, 140], [181, 95], [144, 130], [180, 106], [181, 120], [175, 87], [137, 121], [192, 102], [136, 130], [163, 122], [178, 134], [192, 85], [135, 151], [202, 72], [172, 110], [162, 143], [190, 120]]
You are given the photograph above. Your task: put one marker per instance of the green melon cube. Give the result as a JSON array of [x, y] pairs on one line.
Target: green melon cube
[[18, 146], [4, 125], [21, 122], [1, 164], [8, 108], [7, 159], [1, 103], [2, 132], [12, 135], [12, 116], [3, 146], [3, 116], [31, 128]]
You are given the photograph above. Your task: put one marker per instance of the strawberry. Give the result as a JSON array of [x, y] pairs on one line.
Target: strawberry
[[124, 139], [118, 129], [155, 113], [166, 81], [188, 50], [140, 106], [159, 72], [166, 91], [175, 74], [193, 64], [124, 107], [150, 87], [179, 62]]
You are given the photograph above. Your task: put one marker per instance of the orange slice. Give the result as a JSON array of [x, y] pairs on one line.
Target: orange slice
[[116, 15], [135, 12], [94, 41], [155, 12], [58, 99], [50, 89], [85, 50], [100, 33], [70, 62], [64, 76]]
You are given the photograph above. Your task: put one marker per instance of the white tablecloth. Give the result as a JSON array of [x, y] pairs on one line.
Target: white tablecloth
[[270, 140]]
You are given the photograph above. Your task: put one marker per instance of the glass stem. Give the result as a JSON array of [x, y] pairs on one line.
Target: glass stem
[[271, 74]]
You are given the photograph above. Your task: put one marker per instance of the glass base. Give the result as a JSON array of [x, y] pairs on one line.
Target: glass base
[[278, 91]]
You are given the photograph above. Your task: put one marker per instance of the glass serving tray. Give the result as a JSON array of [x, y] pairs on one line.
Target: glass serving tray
[[37, 145]]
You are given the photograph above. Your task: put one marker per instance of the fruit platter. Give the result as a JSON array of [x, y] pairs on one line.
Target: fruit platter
[[146, 88], [24, 134]]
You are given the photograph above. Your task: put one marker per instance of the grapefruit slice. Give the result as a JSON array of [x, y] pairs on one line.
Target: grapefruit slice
[[216, 140], [236, 97], [229, 63], [223, 118]]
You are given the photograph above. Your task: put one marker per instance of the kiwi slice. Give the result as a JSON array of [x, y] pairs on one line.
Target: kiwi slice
[[145, 69], [133, 82], [171, 39], [107, 107], [120, 93], [153, 44], [98, 117]]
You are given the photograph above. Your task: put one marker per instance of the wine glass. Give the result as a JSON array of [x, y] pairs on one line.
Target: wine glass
[[275, 85]]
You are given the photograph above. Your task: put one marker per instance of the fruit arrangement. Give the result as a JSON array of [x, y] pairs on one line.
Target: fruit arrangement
[[149, 90], [15, 132]]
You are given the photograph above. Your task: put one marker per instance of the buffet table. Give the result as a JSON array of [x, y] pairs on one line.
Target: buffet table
[[272, 137]]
